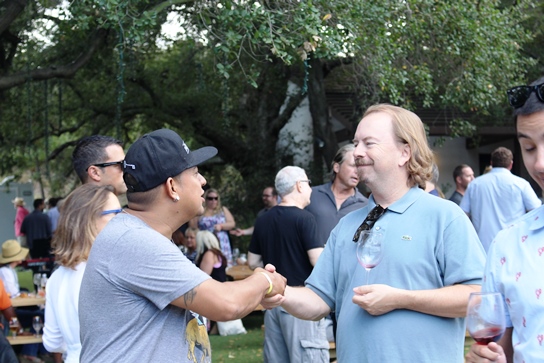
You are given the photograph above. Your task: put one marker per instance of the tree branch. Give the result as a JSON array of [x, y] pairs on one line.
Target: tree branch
[[12, 10], [64, 71]]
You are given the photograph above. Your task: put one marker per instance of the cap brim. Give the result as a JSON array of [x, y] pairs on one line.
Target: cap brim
[[201, 155]]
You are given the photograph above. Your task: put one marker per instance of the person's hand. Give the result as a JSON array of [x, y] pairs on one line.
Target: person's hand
[[492, 352], [278, 281], [273, 301], [375, 299], [270, 268], [237, 232], [218, 227]]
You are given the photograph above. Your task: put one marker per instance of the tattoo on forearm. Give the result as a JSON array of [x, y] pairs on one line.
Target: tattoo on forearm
[[189, 296]]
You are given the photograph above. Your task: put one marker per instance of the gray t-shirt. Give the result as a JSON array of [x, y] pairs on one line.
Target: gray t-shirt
[[132, 275]]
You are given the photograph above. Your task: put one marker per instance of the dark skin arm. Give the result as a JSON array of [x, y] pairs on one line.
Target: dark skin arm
[[8, 314]]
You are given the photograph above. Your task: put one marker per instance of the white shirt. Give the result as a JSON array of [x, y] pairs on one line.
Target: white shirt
[[11, 281], [495, 200], [61, 330], [515, 267]]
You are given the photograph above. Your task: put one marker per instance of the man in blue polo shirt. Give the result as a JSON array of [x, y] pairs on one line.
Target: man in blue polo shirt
[[498, 198], [413, 307]]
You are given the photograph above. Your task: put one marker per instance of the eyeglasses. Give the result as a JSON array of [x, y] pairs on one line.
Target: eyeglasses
[[267, 195], [111, 211], [517, 96], [212, 198], [369, 221], [306, 181], [103, 165]]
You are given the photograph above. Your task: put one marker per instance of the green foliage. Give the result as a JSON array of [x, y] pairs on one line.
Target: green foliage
[[224, 82]]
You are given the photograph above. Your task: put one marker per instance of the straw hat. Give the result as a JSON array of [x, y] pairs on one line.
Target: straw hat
[[18, 201], [12, 251]]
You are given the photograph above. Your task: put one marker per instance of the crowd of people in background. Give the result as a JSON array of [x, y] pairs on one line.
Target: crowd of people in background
[[147, 281]]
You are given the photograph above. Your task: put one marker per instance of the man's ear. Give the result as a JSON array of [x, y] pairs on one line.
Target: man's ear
[[94, 173], [406, 154], [457, 180], [171, 189], [336, 167]]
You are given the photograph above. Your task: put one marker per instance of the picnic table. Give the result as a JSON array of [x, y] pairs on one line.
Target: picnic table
[[239, 272], [24, 339], [29, 300]]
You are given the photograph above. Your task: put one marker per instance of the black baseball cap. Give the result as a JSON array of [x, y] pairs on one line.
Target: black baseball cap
[[157, 156]]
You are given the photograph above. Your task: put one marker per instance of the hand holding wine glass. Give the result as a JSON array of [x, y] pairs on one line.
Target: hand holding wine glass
[[485, 317], [369, 250]]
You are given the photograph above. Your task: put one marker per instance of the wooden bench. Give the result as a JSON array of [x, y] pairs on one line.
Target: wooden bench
[[24, 339]]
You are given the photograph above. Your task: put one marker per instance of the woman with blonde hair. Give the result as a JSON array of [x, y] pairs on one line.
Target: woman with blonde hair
[[84, 213], [209, 257], [217, 219]]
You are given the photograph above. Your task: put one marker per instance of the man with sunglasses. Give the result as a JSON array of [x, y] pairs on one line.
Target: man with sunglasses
[[515, 263], [413, 308], [99, 159]]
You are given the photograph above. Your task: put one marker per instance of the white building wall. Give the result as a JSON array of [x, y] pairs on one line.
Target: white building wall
[[296, 137], [454, 152]]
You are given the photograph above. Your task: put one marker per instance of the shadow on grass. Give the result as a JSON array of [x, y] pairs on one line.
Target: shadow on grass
[[247, 348]]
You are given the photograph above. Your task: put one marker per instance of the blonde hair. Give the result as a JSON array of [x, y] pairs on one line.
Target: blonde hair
[[409, 129], [219, 207], [76, 230], [192, 230], [207, 241]]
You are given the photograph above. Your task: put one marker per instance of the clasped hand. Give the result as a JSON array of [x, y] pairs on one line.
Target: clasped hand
[[492, 352], [275, 298], [376, 299]]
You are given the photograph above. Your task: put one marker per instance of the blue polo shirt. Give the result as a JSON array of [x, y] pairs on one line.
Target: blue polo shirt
[[495, 200], [429, 244]]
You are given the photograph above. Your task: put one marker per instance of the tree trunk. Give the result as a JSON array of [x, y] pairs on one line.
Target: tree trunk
[[325, 143]]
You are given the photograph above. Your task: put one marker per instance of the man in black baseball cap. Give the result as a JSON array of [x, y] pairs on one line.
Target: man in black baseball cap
[[157, 156], [150, 298]]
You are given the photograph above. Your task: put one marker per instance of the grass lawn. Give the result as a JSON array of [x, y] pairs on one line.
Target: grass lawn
[[247, 348]]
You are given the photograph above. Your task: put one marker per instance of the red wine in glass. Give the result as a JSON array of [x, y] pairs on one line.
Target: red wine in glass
[[485, 317], [488, 335]]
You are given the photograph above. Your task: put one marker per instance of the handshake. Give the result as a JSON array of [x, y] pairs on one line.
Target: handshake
[[277, 283]]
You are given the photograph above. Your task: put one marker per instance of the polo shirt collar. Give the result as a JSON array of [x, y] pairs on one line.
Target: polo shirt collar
[[401, 205]]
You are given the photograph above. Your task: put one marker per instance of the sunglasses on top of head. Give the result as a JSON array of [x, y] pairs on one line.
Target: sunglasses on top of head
[[517, 96]]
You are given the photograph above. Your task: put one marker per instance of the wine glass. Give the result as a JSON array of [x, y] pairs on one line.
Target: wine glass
[[14, 326], [37, 282], [235, 255], [369, 250], [37, 324], [485, 317]]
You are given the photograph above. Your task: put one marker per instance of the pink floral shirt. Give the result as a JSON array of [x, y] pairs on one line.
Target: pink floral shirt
[[515, 268]]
